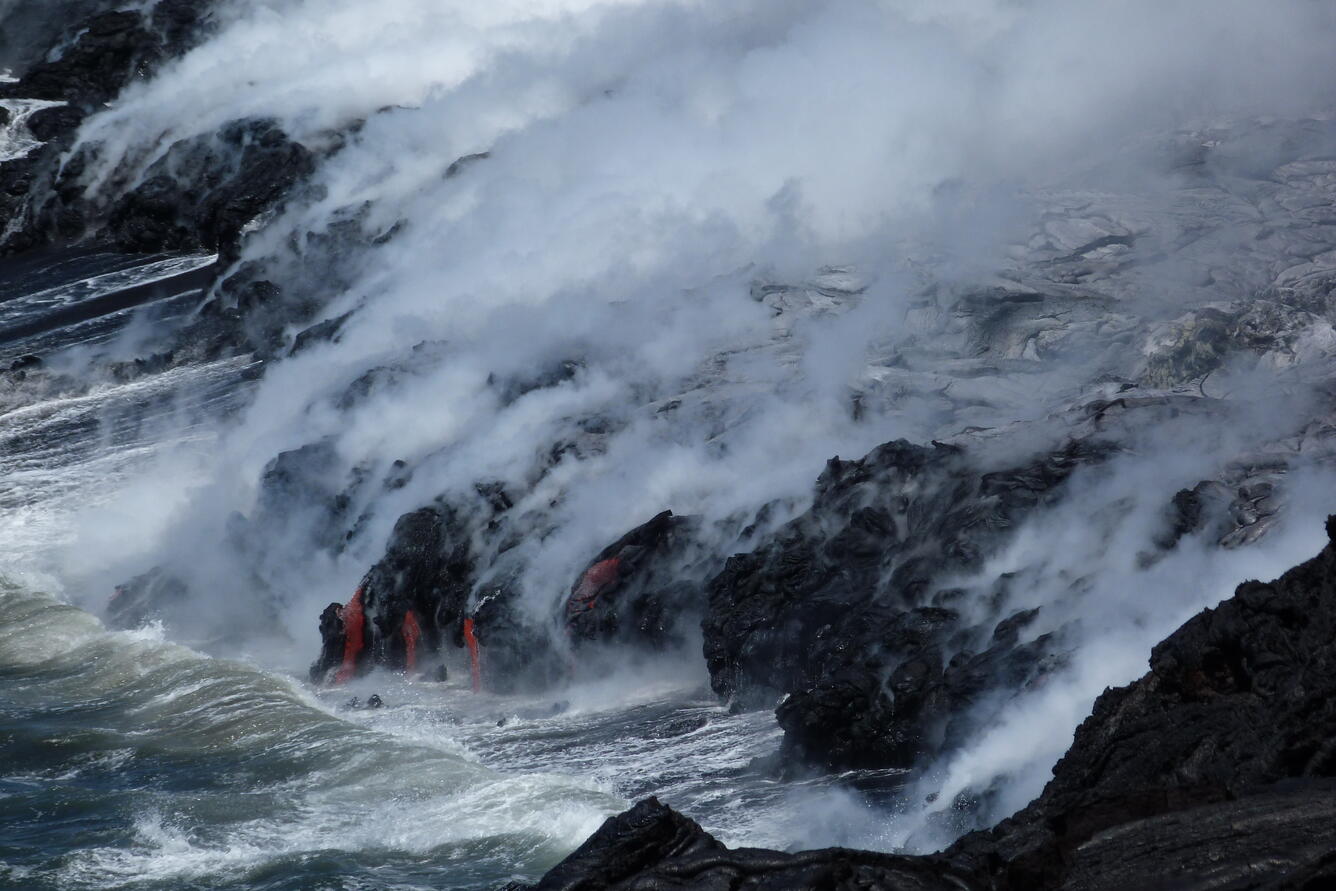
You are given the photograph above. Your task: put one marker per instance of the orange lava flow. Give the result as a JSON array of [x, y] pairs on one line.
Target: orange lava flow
[[354, 627], [412, 633], [594, 582], [472, 641]]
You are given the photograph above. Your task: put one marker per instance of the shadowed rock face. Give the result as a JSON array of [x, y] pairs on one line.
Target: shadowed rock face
[[516, 651], [105, 48], [638, 590], [1237, 700], [1215, 770], [203, 191], [145, 598], [294, 487], [844, 612], [407, 608], [654, 847], [632, 592], [199, 195]]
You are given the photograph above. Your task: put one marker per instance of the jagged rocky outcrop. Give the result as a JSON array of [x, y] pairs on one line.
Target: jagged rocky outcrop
[[93, 48], [205, 190], [851, 617], [641, 589], [301, 500], [407, 608], [644, 590], [198, 194], [104, 48], [847, 612], [153, 595], [514, 649], [652, 846], [1215, 770], [1238, 701]]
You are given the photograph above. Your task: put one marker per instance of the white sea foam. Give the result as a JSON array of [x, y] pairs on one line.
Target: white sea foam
[[652, 168], [333, 786]]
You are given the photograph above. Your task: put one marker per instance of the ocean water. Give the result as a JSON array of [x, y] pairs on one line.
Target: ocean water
[[131, 761], [616, 257]]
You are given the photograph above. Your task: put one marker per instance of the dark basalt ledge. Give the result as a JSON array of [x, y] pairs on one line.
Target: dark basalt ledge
[[652, 847], [106, 50], [201, 195], [639, 590], [854, 591], [636, 590], [407, 607], [850, 592], [1215, 770]]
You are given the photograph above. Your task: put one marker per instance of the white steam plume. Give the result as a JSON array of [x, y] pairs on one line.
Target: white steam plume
[[649, 163]]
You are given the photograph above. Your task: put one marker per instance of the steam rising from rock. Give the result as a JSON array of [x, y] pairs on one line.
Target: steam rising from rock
[[617, 257]]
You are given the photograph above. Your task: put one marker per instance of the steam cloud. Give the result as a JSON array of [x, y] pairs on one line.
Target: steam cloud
[[650, 167]]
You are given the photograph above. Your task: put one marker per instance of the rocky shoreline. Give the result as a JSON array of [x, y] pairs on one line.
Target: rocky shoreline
[[1215, 770], [874, 615]]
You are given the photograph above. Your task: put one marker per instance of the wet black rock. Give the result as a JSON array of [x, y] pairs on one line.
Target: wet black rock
[[31, 32], [1203, 507], [1216, 770], [427, 570], [333, 643], [1241, 698], [247, 313], [200, 194], [409, 605], [301, 499], [96, 49], [155, 595], [111, 48], [517, 651], [321, 332], [841, 612], [203, 191], [652, 846], [645, 588]]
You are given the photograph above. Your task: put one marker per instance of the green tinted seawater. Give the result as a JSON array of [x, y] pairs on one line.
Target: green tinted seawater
[[129, 762]]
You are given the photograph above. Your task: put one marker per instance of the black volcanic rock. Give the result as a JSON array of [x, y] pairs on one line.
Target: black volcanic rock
[[654, 847], [1216, 770], [1240, 698], [1275, 837], [154, 595], [646, 591], [199, 195], [30, 32], [98, 50], [203, 191], [300, 498], [517, 650], [333, 643], [640, 594], [639, 589], [407, 607], [420, 589], [841, 613], [427, 569], [112, 47]]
